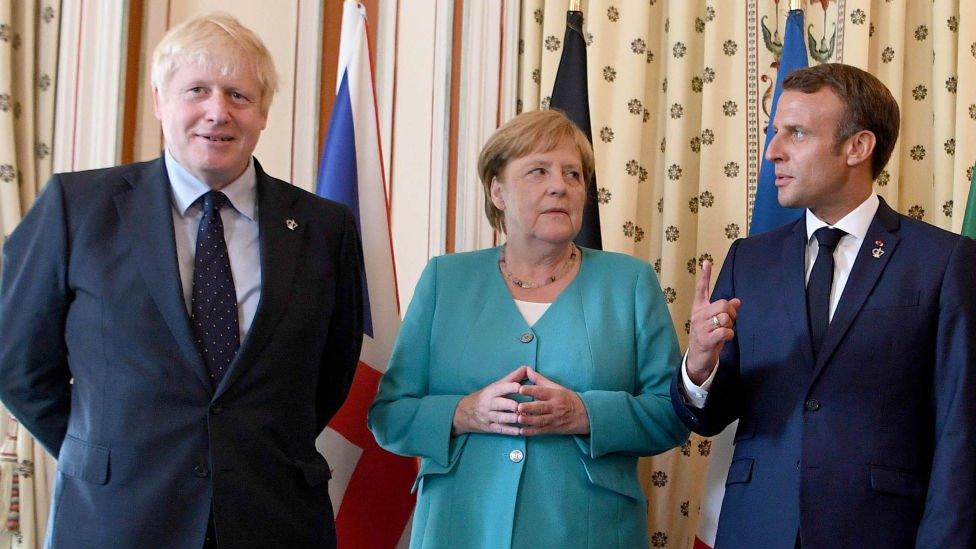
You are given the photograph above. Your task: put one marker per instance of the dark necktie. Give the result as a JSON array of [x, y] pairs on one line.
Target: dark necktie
[[214, 303], [818, 287]]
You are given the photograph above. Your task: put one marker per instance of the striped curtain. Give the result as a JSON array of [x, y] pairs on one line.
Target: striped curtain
[[679, 98], [28, 68]]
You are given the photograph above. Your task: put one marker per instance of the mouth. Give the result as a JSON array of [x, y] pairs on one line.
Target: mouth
[[556, 211], [783, 179], [216, 138]]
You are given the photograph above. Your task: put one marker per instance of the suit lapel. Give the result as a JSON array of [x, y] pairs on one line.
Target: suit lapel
[[864, 276], [147, 219], [281, 231], [793, 287]]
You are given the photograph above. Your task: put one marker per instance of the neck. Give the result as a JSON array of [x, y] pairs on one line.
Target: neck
[[532, 269], [831, 214], [539, 256]]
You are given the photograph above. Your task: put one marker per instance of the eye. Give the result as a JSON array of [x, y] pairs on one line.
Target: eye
[[574, 175], [238, 96], [196, 90], [538, 171], [799, 132]]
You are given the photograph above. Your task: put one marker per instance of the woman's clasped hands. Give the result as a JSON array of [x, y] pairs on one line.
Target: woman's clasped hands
[[553, 410]]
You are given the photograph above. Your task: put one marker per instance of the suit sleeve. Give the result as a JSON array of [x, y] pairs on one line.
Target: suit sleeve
[[405, 418], [642, 423], [34, 301], [724, 396], [345, 337], [949, 520]]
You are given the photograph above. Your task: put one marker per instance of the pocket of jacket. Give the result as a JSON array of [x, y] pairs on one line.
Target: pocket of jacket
[[314, 468], [616, 473], [900, 482], [740, 471], [431, 467], [84, 460]]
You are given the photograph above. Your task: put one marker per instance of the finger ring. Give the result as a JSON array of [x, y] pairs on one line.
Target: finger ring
[[715, 321]]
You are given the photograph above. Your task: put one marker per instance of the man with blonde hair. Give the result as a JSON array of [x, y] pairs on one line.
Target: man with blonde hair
[[178, 332]]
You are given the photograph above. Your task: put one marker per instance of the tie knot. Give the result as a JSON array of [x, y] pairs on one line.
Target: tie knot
[[213, 201], [828, 237]]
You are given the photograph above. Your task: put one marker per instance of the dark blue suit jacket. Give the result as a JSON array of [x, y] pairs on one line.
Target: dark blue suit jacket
[[98, 361], [873, 444]]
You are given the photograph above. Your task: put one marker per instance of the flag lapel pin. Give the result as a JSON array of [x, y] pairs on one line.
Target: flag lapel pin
[[878, 252]]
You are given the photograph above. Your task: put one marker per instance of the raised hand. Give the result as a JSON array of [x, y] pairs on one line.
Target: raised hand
[[555, 409], [490, 410], [712, 325]]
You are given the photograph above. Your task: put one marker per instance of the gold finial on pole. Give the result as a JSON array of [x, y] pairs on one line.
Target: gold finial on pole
[[576, 5], [796, 5]]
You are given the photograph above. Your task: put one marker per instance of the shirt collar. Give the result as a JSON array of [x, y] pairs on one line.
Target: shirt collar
[[855, 223], [186, 189]]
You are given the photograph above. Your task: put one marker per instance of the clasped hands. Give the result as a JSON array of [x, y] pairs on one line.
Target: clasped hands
[[553, 410], [712, 324]]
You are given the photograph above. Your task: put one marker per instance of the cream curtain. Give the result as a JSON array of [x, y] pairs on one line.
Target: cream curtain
[[679, 100], [28, 68]]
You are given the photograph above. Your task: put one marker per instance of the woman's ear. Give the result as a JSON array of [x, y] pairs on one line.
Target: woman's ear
[[496, 194]]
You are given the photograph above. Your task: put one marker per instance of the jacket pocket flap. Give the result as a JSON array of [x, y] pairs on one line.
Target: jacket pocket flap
[[83, 460], [315, 469], [740, 471], [896, 481], [615, 473], [431, 467]]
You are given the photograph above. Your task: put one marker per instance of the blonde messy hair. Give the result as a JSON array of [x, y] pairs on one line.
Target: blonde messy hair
[[215, 40], [527, 133]]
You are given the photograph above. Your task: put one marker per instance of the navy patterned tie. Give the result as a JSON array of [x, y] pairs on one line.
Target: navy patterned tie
[[818, 287], [214, 303]]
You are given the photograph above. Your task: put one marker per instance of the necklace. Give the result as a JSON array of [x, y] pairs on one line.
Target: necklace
[[503, 267]]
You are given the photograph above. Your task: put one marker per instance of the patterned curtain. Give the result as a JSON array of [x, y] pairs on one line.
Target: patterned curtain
[[679, 100], [28, 67]]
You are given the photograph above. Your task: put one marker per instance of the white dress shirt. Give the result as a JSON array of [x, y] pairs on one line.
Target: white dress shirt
[[240, 232], [855, 224]]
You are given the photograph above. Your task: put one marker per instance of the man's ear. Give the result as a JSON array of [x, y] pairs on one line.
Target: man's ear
[[860, 147], [156, 100], [496, 194]]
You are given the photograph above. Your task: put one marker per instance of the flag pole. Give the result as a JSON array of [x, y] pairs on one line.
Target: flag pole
[[796, 5], [576, 5]]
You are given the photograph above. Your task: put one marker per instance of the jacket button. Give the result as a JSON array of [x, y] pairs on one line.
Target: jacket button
[[216, 409], [527, 337], [516, 456], [201, 471], [812, 405]]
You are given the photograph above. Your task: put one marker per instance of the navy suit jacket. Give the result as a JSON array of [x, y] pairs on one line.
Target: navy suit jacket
[[98, 362], [873, 444]]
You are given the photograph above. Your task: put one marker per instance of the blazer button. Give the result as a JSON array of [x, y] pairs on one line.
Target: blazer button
[[812, 405], [201, 471], [527, 337], [516, 456]]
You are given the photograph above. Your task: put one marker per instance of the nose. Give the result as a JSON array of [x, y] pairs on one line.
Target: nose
[[774, 153], [558, 183], [216, 108]]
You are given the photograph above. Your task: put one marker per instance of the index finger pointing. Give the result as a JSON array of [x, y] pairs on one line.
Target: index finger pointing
[[701, 285]]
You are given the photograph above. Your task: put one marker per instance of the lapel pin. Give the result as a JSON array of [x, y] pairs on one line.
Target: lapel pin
[[879, 243], [877, 252], [291, 224]]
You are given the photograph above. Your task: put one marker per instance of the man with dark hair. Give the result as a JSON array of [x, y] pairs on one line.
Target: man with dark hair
[[844, 344], [178, 332]]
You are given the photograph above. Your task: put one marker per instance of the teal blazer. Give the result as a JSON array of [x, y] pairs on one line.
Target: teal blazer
[[607, 336]]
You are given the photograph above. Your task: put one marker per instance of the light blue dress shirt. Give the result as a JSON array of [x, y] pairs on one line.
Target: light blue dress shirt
[[240, 233]]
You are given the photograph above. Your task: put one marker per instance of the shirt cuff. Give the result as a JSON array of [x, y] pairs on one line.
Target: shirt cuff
[[696, 395]]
